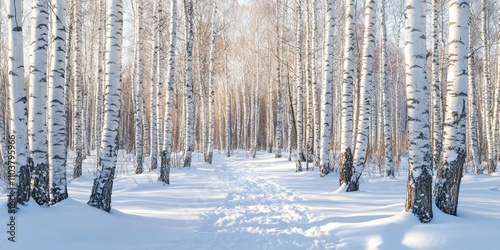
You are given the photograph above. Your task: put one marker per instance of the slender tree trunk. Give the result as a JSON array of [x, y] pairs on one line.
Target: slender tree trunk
[[100, 196], [435, 90], [57, 139], [326, 111], [78, 93], [472, 117], [139, 89], [37, 98], [279, 50], [315, 97], [389, 167], [189, 144], [167, 146], [363, 125], [211, 92], [298, 79], [490, 145], [154, 64], [18, 130], [346, 167], [100, 80], [419, 189], [449, 174]]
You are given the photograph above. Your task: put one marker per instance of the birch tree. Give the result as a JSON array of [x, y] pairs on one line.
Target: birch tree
[[435, 89], [490, 145], [189, 138], [100, 196], [298, 79], [389, 167], [37, 126], [211, 92], [419, 188], [279, 52], [154, 67], [472, 111], [449, 174], [56, 118], [78, 92], [167, 146], [138, 89], [18, 130], [326, 112], [346, 118], [363, 125], [100, 76]]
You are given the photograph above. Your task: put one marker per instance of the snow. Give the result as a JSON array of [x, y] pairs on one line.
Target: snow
[[245, 203]]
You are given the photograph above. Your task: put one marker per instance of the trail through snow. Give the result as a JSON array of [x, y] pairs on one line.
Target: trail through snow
[[256, 210], [246, 203]]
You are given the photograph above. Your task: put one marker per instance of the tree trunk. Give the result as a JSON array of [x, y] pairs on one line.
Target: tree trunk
[[57, 139], [100, 196], [472, 117], [298, 79], [37, 124], [154, 67], [139, 89], [363, 125], [78, 93], [211, 93], [389, 167], [18, 131], [346, 118], [326, 112], [435, 90], [167, 146], [419, 189], [449, 174]]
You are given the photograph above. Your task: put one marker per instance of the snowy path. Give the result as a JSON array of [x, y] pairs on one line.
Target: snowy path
[[255, 210], [253, 203]]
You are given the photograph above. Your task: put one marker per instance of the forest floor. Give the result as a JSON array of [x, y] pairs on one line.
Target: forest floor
[[245, 203]]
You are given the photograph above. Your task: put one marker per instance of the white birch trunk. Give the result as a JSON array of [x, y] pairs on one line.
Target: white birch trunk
[[18, 130], [472, 110], [449, 174], [346, 118], [154, 67], [363, 124], [326, 96], [389, 166], [309, 88], [419, 189], [57, 139], [189, 138], [279, 52], [100, 196], [78, 93], [37, 123], [139, 89], [435, 90], [298, 82], [315, 97], [100, 79], [167, 146], [211, 93]]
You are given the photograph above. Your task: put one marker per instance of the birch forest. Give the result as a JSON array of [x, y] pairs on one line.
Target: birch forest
[[335, 86]]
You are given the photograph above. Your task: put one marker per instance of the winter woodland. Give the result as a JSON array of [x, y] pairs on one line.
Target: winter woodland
[[345, 88]]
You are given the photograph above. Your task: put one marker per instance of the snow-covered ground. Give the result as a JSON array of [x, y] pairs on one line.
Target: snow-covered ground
[[245, 203]]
